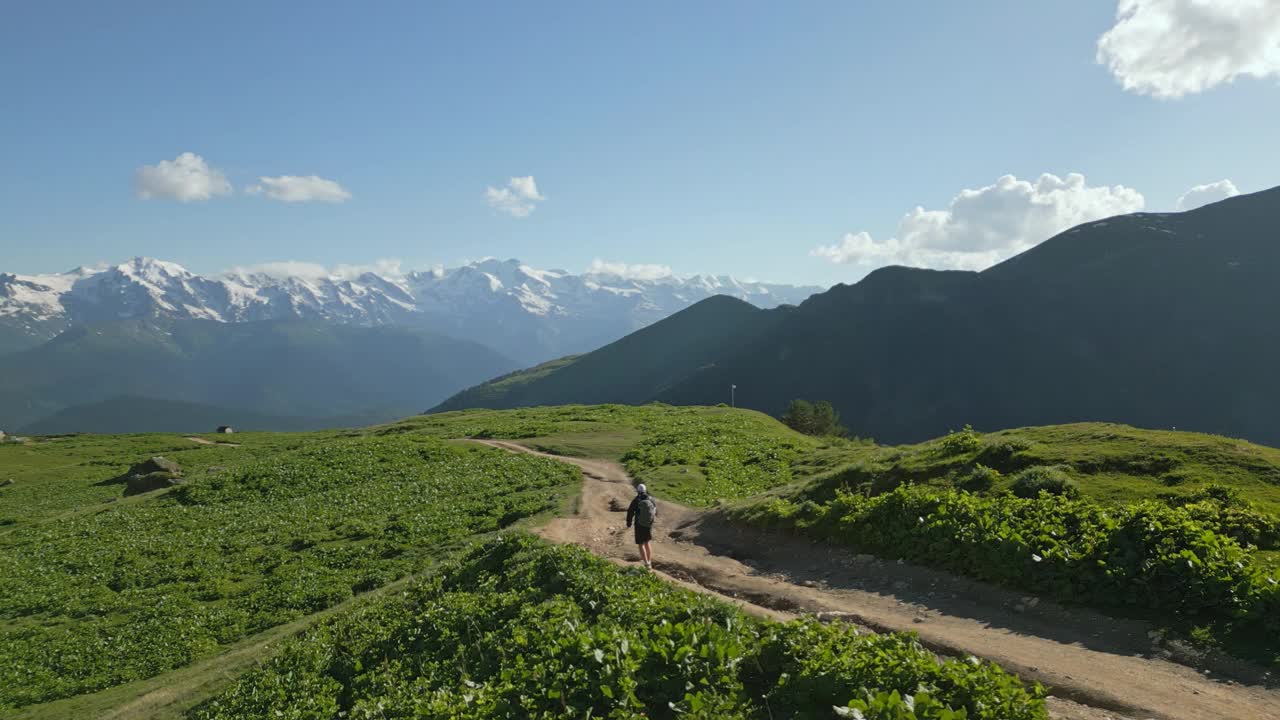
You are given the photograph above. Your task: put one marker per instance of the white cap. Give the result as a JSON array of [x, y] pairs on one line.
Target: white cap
[[640, 489]]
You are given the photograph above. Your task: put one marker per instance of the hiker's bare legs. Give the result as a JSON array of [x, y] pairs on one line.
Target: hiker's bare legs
[[646, 554]]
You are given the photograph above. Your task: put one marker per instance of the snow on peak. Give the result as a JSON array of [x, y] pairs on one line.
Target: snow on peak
[[529, 313]]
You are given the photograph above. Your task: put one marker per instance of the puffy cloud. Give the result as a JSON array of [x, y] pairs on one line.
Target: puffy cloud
[[185, 178], [298, 189], [519, 198], [1201, 195], [630, 272], [1171, 48], [984, 226]]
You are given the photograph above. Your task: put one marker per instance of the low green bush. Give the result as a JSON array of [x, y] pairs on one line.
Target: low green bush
[[979, 478], [1053, 480], [1149, 557], [1002, 453], [965, 441], [1225, 509], [520, 629], [137, 589]]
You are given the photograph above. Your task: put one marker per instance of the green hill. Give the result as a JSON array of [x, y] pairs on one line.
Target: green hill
[[276, 579], [1154, 320], [287, 369], [283, 574], [632, 369]]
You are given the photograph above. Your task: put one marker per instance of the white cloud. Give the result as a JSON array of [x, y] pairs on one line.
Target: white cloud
[[389, 268], [984, 226], [519, 198], [630, 272], [185, 178], [1171, 48], [298, 189], [1201, 195], [283, 269]]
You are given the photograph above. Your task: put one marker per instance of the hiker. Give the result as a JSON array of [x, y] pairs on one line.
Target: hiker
[[643, 510]]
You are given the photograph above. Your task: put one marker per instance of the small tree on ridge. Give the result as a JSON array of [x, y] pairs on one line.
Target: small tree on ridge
[[820, 418]]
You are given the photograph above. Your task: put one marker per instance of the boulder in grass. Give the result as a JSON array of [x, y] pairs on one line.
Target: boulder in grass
[[156, 473], [154, 465], [137, 484]]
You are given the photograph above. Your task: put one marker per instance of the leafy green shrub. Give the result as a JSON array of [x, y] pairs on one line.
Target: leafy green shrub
[[965, 441], [980, 478], [1053, 480], [1224, 509], [1223, 495], [520, 629], [137, 589], [1147, 556], [1002, 453]]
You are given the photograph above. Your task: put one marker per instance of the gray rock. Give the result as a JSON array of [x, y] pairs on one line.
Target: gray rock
[[156, 464], [137, 484]]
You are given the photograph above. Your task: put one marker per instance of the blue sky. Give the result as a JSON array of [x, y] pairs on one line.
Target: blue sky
[[760, 139]]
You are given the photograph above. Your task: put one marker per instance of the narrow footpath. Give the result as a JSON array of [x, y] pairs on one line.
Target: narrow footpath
[[1096, 667]]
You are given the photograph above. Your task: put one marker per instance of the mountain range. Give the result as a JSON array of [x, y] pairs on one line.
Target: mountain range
[[130, 345], [525, 314], [299, 369], [1153, 319]]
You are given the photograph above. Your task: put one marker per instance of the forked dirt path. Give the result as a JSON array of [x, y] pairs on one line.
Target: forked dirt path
[[1096, 667]]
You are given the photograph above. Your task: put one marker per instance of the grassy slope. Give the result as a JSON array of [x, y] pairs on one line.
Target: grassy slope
[[686, 454], [494, 393], [631, 370], [694, 455], [106, 591], [60, 475], [1111, 463]]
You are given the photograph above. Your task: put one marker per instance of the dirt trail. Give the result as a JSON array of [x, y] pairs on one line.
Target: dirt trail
[[1095, 666], [203, 441]]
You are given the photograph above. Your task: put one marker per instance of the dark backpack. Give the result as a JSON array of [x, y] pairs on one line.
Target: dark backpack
[[646, 511]]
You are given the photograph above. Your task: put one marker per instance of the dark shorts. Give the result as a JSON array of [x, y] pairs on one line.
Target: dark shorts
[[643, 534]]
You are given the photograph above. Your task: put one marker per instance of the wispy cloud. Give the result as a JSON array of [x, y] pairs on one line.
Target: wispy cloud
[[300, 189], [186, 178], [518, 199], [629, 272], [388, 268]]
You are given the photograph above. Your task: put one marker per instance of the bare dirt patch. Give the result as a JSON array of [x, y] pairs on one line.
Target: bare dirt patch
[[205, 441]]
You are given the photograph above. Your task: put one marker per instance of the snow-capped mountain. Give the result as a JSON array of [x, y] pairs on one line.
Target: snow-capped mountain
[[528, 314]]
